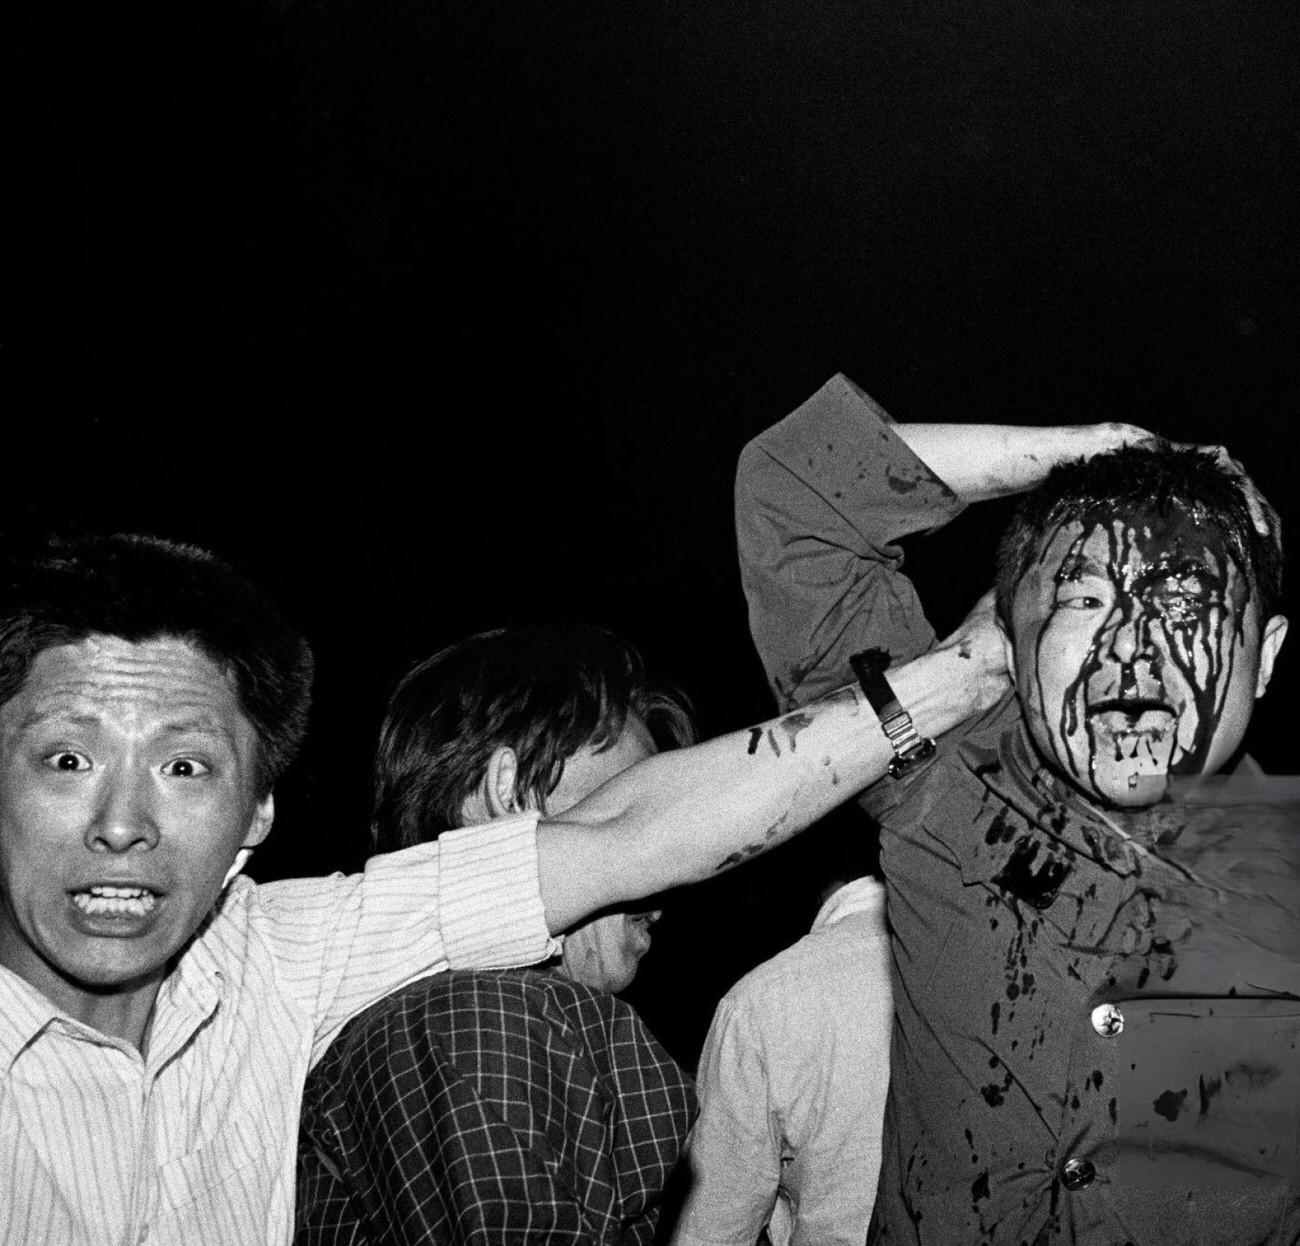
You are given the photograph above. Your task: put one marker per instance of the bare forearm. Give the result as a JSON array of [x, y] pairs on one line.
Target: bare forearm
[[687, 815], [981, 461]]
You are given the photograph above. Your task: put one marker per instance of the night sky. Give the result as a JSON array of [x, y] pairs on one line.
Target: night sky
[[433, 317]]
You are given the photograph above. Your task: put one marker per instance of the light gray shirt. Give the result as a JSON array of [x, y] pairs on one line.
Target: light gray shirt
[[792, 1085]]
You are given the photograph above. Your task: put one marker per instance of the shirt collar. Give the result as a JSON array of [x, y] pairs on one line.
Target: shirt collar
[[24, 1014], [187, 996], [195, 986], [1029, 799], [862, 895]]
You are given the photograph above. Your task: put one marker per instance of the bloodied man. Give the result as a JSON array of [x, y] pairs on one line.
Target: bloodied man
[[1139, 645], [1095, 989]]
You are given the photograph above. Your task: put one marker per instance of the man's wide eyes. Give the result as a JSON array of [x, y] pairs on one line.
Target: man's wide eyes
[[66, 761], [185, 768]]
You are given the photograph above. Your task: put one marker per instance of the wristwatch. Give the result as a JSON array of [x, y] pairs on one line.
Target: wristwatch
[[910, 748]]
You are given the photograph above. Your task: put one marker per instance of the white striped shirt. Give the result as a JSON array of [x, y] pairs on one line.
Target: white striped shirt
[[195, 1142]]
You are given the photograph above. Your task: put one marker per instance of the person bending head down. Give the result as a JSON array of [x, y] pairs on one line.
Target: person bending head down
[[522, 719], [1138, 592]]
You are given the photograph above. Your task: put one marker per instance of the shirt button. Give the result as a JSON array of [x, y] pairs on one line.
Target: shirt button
[[1107, 1020], [1077, 1173]]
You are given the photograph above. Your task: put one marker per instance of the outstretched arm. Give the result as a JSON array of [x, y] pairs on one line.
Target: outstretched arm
[[686, 815]]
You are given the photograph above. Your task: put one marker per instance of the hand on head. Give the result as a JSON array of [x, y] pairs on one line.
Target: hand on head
[[979, 639]]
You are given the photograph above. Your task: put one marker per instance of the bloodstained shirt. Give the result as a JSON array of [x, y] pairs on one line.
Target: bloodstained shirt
[[1095, 1039]]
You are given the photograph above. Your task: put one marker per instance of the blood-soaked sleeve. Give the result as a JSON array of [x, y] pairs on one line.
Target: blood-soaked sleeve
[[821, 500]]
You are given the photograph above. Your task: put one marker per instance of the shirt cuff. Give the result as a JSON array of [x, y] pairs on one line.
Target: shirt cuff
[[489, 899]]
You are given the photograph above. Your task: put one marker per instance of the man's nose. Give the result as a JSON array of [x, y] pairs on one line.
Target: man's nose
[[124, 816], [1127, 634]]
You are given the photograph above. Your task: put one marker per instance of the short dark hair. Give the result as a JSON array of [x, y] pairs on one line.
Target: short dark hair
[[141, 588], [544, 691], [1159, 481]]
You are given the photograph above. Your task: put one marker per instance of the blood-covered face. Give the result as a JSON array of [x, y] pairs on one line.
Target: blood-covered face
[[1138, 652]]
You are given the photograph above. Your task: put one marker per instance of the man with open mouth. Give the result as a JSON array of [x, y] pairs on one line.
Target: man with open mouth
[[1096, 977], [159, 1014]]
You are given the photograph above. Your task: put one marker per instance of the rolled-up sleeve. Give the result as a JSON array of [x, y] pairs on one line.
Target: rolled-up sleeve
[[468, 900], [490, 907], [822, 497]]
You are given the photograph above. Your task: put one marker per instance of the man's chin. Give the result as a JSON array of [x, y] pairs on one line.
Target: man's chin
[[1130, 791], [1131, 757]]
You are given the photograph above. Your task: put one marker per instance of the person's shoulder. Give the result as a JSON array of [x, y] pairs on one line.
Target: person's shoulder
[[454, 1002], [860, 899]]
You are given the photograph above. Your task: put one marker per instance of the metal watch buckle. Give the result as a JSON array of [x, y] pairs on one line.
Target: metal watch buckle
[[917, 753], [910, 749]]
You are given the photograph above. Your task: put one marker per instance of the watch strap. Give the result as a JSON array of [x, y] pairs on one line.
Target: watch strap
[[869, 665]]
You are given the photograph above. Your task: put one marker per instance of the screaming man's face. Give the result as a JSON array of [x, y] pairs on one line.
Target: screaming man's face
[[1138, 653]]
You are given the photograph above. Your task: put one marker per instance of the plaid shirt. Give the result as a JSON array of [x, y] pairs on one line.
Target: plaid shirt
[[488, 1107]]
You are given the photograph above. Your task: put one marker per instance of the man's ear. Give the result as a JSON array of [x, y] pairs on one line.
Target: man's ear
[[260, 826], [495, 795], [1269, 644]]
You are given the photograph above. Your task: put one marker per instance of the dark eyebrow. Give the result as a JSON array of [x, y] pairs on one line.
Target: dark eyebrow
[[36, 717], [1076, 565], [201, 727], [1184, 568]]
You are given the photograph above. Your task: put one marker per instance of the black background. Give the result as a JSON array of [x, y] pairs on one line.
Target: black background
[[438, 317]]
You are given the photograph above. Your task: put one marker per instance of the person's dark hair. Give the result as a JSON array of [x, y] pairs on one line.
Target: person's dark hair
[[141, 588], [544, 692], [1158, 481]]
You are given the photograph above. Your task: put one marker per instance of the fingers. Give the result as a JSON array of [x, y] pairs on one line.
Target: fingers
[[1262, 516], [1116, 435], [978, 636]]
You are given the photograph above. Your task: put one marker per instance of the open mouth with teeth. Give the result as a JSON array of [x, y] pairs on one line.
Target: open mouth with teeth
[[1134, 740], [1144, 715], [106, 901]]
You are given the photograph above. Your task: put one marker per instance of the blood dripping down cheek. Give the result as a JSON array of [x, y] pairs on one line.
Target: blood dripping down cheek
[[1177, 599]]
